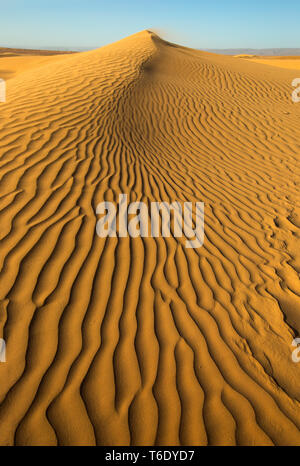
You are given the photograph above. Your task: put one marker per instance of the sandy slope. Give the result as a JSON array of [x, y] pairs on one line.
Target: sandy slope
[[15, 61], [289, 62], [142, 341]]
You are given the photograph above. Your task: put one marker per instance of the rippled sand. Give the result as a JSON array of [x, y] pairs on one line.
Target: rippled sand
[[142, 341]]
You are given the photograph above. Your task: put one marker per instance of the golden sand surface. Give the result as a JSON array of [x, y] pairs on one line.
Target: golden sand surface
[[289, 62], [14, 61], [141, 341]]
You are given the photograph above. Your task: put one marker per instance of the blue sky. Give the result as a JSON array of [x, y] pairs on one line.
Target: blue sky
[[194, 23]]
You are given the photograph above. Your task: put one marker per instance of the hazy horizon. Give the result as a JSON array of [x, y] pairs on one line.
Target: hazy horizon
[[284, 51]]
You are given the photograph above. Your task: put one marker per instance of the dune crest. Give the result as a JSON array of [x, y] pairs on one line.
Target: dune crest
[[123, 341]]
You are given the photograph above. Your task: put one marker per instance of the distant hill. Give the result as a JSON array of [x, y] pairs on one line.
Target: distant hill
[[263, 52], [16, 51]]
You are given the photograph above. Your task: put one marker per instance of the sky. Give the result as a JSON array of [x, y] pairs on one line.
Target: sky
[[87, 24]]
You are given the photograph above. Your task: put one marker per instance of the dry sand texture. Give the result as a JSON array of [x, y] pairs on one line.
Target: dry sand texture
[[142, 341], [289, 62], [15, 61]]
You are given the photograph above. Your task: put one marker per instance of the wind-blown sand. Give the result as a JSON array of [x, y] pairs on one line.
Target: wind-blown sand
[[142, 341], [15, 61], [289, 62]]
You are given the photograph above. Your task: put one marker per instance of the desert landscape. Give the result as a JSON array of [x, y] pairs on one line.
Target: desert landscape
[[141, 341], [290, 62]]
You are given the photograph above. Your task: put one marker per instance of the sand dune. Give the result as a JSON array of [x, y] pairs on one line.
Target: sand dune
[[289, 62], [142, 341], [15, 61]]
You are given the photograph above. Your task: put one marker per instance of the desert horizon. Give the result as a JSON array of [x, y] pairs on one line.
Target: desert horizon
[[150, 260]]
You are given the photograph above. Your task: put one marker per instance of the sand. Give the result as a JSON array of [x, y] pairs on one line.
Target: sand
[[15, 61], [140, 341], [289, 62]]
